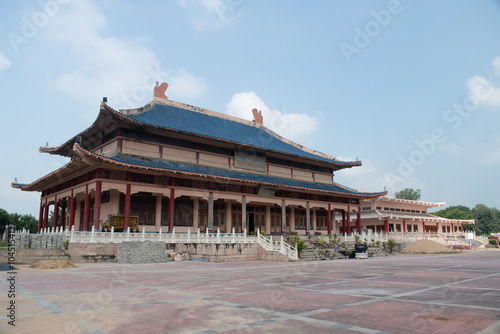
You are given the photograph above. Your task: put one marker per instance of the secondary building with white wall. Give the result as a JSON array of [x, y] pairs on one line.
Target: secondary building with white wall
[[389, 214]]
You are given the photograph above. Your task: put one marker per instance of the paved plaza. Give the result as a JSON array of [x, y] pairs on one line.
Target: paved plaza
[[457, 293]]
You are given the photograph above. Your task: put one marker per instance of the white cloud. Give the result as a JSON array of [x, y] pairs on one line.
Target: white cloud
[[208, 14], [489, 153], [123, 70], [4, 62], [289, 125], [486, 90], [368, 178], [451, 149], [364, 178], [184, 85]]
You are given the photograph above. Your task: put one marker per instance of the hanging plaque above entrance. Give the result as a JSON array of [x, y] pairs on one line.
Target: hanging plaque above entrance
[[250, 160], [267, 191]]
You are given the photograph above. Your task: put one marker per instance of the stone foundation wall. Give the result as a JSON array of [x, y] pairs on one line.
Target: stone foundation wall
[[218, 252], [29, 256], [84, 252], [156, 252], [141, 252], [227, 252]]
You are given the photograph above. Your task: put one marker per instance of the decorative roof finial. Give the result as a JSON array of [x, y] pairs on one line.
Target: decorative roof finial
[[159, 92], [258, 118]]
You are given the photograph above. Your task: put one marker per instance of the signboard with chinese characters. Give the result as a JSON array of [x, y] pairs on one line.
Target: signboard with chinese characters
[[267, 191], [250, 160]]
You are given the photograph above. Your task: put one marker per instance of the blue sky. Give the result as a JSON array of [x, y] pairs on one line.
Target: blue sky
[[411, 88]]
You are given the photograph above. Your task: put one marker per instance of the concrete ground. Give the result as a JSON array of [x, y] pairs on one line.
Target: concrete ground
[[396, 294]]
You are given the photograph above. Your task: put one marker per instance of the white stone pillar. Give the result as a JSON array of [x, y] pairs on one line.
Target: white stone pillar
[[334, 223], [158, 212], [229, 217], [268, 218], [244, 213], [196, 213], [284, 223], [211, 212], [308, 218], [78, 216], [314, 227], [292, 218]]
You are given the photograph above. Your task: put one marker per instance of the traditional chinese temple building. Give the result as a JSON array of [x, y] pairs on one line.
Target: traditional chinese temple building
[[178, 166], [389, 214]]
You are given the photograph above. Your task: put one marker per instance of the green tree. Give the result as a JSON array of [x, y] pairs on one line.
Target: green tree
[[455, 212], [21, 221], [408, 193], [28, 222], [4, 220], [460, 212], [487, 219]]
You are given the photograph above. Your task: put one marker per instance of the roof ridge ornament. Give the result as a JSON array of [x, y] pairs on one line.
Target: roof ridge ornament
[[159, 91], [258, 118]]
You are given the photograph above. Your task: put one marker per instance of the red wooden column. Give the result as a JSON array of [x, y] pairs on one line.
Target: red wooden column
[[72, 209], [452, 231], [86, 210], [423, 227], [329, 226], [56, 213], [97, 201], [348, 220], [343, 222], [40, 216], [386, 226], [46, 215], [404, 226], [63, 214], [171, 206], [437, 227], [358, 220]]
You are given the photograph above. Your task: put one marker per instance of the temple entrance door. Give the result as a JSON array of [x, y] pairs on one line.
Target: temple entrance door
[[251, 222], [275, 223]]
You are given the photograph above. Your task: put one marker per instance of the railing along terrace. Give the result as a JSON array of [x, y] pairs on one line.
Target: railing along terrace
[[270, 244], [364, 236], [199, 237]]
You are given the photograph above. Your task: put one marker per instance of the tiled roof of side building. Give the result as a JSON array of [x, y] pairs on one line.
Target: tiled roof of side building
[[199, 123], [232, 174]]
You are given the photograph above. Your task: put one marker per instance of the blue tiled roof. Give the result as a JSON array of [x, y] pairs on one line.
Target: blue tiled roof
[[171, 117], [229, 173]]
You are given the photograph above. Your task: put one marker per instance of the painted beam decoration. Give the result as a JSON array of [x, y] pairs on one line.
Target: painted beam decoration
[[250, 160]]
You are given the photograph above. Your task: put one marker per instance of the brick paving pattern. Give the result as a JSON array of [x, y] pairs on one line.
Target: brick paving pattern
[[394, 294]]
